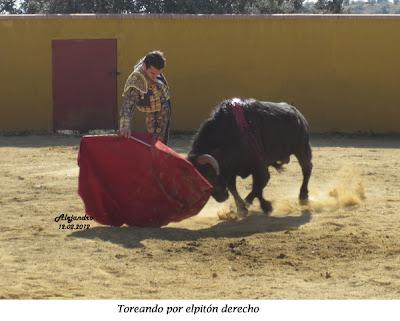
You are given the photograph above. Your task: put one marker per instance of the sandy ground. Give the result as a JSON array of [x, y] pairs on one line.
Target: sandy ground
[[345, 244]]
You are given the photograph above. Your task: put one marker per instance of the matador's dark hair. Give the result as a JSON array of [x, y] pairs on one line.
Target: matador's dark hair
[[155, 59]]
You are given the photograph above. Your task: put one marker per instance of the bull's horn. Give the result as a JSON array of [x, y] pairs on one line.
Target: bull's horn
[[208, 159]]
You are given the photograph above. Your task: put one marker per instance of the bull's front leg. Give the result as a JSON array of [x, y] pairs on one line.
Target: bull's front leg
[[260, 180], [240, 204]]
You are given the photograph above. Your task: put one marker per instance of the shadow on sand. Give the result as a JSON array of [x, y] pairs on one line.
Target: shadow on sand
[[256, 222]]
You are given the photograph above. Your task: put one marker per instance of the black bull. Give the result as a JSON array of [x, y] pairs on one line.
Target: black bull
[[225, 147]]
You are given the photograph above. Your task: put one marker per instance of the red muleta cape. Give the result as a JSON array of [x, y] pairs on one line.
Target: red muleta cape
[[138, 182]]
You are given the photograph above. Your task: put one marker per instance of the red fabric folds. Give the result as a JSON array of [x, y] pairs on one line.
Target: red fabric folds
[[138, 182]]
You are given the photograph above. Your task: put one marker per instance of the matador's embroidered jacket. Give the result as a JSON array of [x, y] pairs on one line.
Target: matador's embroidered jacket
[[151, 97]]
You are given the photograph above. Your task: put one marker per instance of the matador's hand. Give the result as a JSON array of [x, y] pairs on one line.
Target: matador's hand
[[125, 132]]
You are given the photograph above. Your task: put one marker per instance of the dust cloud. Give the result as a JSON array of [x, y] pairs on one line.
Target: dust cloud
[[345, 190]]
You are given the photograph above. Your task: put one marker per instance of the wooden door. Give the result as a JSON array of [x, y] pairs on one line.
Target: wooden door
[[85, 84]]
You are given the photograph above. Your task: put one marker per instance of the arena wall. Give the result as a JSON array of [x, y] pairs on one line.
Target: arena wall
[[341, 71]]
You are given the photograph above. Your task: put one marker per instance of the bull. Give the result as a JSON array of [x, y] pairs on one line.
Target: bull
[[245, 137]]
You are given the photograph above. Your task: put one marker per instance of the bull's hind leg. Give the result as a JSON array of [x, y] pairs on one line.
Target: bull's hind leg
[[304, 157], [260, 180], [241, 206]]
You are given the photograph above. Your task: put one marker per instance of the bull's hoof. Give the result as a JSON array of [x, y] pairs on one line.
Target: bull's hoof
[[242, 211], [303, 197], [303, 201], [266, 206]]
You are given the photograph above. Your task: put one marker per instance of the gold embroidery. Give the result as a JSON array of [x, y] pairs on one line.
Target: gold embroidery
[[136, 80]]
